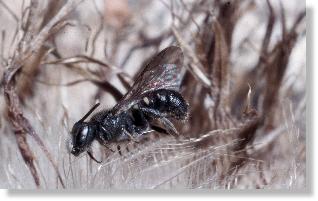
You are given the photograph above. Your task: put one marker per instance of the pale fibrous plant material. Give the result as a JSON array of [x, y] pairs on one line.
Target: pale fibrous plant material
[[242, 77]]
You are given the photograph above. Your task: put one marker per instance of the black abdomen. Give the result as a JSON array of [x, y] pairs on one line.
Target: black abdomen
[[164, 103]]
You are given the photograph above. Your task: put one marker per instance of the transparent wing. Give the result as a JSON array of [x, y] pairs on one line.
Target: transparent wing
[[162, 72]]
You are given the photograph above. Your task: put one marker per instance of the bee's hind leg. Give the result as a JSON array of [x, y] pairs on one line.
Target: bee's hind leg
[[158, 129], [170, 127]]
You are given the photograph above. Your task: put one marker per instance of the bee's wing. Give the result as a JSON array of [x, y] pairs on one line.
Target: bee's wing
[[162, 72]]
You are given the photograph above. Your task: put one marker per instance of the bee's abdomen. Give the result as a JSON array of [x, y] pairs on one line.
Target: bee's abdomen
[[165, 103]]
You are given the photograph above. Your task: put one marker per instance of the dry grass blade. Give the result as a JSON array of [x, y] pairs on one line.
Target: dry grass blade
[[14, 16], [220, 69], [275, 70], [126, 83], [83, 59], [195, 66], [109, 88], [268, 33], [3, 36], [20, 124], [144, 43], [253, 77]]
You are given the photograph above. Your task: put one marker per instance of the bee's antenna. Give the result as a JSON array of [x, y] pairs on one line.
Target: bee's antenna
[[89, 112]]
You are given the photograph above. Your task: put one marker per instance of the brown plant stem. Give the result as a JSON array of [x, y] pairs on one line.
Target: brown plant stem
[[20, 124]]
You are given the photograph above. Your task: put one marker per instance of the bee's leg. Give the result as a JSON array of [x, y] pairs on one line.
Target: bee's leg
[[105, 145], [90, 154], [153, 113], [119, 150], [134, 139], [170, 127], [109, 148], [166, 122], [158, 129]]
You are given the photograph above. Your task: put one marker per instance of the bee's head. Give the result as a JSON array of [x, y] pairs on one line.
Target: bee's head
[[83, 134]]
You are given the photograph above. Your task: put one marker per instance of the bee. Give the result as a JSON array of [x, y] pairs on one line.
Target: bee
[[153, 97]]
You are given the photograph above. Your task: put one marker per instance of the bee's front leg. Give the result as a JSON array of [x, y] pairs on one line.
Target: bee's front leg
[[90, 154]]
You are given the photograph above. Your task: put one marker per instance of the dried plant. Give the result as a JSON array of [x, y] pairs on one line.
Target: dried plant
[[244, 82]]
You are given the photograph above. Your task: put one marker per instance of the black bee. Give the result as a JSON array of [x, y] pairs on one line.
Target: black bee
[[153, 97]]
